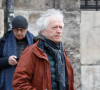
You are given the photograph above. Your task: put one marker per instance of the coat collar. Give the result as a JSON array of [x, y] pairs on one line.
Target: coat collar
[[39, 52]]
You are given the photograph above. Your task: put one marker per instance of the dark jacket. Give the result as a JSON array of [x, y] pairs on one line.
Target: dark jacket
[[33, 70], [4, 61]]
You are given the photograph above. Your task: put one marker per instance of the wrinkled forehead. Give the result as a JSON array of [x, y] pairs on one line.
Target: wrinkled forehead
[[55, 20]]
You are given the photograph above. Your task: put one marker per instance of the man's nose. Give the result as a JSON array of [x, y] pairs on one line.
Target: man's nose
[[19, 31], [58, 29]]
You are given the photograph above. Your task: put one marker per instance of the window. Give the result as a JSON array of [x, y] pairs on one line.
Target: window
[[90, 5]]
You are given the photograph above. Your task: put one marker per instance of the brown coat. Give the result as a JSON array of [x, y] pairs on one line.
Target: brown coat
[[33, 71]]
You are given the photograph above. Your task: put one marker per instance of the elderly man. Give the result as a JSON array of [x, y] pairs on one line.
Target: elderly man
[[12, 44], [44, 65]]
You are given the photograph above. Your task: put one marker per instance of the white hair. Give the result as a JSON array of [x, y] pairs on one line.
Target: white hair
[[43, 21]]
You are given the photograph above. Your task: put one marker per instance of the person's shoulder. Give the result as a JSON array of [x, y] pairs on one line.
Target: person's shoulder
[[3, 39], [30, 33], [5, 35]]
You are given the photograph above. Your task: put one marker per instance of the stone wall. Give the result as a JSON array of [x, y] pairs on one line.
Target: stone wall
[[0, 4], [68, 5], [90, 50], [1, 20], [71, 41]]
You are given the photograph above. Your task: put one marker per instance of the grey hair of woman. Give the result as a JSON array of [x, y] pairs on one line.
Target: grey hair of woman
[[43, 21]]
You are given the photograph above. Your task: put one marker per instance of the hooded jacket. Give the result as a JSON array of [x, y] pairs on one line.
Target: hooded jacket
[[33, 70]]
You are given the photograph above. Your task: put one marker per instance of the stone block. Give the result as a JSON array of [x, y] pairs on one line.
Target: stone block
[[90, 37], [90, 77], [0, 3], [1, 22], [69, 5], [33, 4], [71, 42], [47, 4]]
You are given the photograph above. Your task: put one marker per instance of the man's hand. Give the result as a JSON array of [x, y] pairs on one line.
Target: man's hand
[[12, 60]]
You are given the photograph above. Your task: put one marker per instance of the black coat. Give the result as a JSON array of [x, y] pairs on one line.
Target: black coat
[[3, 60]]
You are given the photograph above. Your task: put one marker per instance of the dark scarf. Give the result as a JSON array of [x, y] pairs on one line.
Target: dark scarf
[[11, 49], [57, 52]]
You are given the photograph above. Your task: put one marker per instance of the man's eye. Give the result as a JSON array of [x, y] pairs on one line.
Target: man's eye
[[55, 27], [60, 27]]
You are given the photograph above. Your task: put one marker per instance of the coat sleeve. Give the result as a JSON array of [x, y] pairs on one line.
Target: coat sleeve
[[3, 60], [73, 87], [24, 71], [70, 73]]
